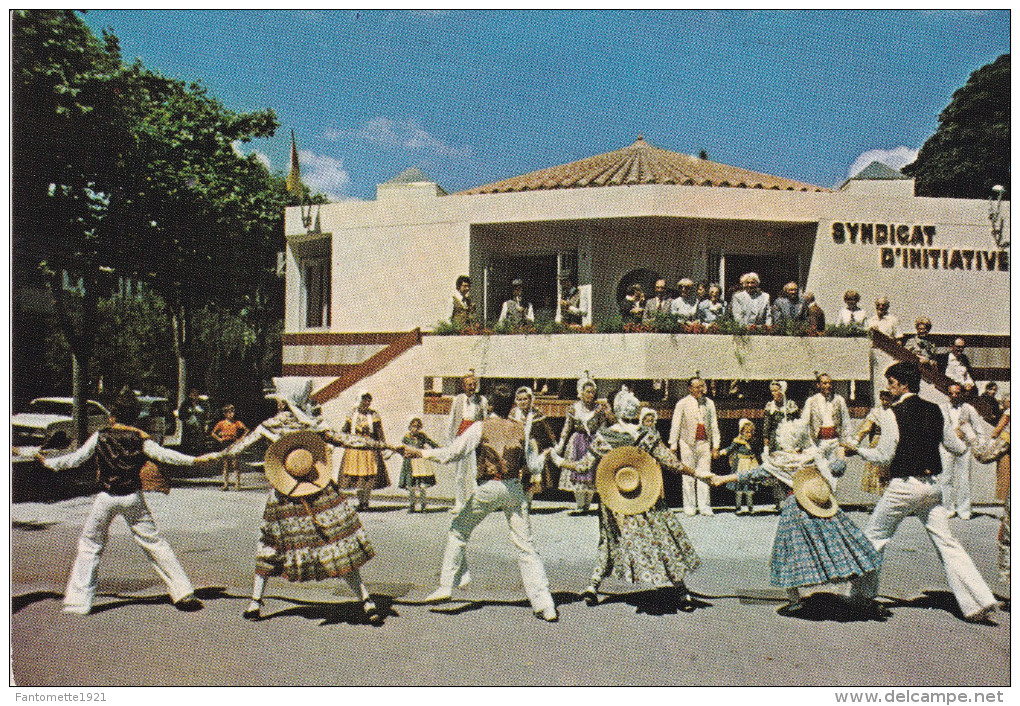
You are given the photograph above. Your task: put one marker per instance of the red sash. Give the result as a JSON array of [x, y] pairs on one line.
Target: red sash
[[827, 433], [464, 424], [700, 434]]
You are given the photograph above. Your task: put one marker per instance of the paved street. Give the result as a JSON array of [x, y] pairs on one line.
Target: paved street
[[312, 634]]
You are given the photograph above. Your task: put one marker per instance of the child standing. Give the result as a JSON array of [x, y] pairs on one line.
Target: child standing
[[226, 432], [416, 474], [742, 459]]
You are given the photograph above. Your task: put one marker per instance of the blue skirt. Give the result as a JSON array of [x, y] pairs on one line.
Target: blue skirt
[[811, 550]]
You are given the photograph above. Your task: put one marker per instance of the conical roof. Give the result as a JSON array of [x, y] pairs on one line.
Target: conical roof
[[641, 163], [878, 171]]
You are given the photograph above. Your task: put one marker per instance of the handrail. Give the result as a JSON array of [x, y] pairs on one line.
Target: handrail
[[400, 344]]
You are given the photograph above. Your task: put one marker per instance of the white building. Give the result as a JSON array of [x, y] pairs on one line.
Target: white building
[[363, 276]]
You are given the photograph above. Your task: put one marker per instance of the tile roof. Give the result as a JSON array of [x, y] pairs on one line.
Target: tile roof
[[641, 163]]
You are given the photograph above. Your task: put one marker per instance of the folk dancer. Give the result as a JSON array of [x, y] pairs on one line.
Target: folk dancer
[[694, 437], [828, 417], [121, 450], [506, 464], [912, 430], [584, 418], [875, 477], [312, 537], [956, 467], [742, 458], [637, 543], [540, 437], [364, 469], [416, 474], [816, 543], [468, 407], [777, 410]]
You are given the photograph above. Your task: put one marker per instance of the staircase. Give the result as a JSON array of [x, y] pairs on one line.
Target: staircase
[[351, 375]]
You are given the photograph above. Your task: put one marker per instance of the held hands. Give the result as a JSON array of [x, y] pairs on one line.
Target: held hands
[[716, 452], [408, 451]]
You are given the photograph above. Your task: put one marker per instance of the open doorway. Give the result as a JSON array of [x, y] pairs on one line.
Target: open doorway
[[540, 285]]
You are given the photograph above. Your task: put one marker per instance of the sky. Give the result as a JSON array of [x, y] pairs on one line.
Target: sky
[[472, 97]]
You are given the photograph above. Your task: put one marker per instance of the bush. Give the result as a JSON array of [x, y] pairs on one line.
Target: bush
[[844, 331]]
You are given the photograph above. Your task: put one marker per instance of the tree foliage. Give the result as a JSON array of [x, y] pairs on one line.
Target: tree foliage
[[969, 152]]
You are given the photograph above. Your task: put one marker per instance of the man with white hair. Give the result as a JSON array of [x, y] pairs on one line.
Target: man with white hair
[[751, 306], [883, 321]]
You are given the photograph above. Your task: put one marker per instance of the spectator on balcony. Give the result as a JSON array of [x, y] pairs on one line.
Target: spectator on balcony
[[883, 321], [920, 345], [813, 315], [789, 307], [685, 306], [632, 306], [571, 312], [515, 310], [751, 306], [463, 308], [659, 305], [701, 291], [956, 366], [852, 314], [714, 308]]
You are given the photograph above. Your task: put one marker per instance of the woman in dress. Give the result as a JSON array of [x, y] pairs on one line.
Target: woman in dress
[[875, 477], [363, 469], [417, 474], [584, 418], [333, 544], [777, 410], [647, 547], [816, 543]]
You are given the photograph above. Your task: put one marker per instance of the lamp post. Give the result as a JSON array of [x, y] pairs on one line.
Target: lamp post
[[995, 215]]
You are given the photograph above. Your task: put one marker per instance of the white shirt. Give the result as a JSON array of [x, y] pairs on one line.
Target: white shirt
[[87, 450], [471, 439], [957, 371], [684, 308], [883, 452], [687, 415], [962, 417], [857, 317], [889, 325]]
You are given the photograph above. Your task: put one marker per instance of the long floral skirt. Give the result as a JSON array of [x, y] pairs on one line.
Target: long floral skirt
[[320, 540], [811, 550], [650, 547]]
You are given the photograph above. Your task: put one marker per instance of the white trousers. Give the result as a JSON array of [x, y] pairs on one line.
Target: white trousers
[[922, 498], [697, 492], [81, 585], [508, 497], [465, 480], [956, 483]]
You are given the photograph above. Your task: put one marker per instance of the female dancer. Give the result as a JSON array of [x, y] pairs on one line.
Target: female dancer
[[584, 418]]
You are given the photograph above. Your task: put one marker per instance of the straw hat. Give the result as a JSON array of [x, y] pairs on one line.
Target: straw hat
[[629, 480], [296, 464], [813, 492]]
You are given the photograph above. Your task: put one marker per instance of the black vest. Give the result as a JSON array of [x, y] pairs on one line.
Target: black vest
[[921, 425], [119, 459]]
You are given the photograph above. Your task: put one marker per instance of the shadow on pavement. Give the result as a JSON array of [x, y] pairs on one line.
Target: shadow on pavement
[[205, 594], [938, 600], [27, 599], [660, 601], [348, 612], [824, 607]]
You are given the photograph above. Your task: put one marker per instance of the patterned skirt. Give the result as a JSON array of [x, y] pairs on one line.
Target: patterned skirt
[[417, 472], [650, 547], [300, 545], [811, 550], [363, 469], [577, 448]]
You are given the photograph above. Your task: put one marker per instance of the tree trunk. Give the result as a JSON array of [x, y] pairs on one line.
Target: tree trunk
[[81, 340]]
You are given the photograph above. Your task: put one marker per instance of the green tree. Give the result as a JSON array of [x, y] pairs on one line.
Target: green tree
[[969, 152]]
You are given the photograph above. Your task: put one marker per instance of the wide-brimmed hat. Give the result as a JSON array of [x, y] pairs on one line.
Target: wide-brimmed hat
[[628, 480], [296, 464], [813, 492]]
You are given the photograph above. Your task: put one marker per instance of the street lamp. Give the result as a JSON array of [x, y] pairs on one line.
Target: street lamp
[[995, 215]]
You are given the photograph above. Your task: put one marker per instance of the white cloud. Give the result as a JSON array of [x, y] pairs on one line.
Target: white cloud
[[325, 174], [264, 158], [400, 135], [897, 158]]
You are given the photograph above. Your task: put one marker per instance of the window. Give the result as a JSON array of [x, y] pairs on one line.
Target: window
[[315, 292]]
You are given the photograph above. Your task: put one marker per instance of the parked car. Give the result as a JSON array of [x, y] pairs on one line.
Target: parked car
[[46, 425]]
